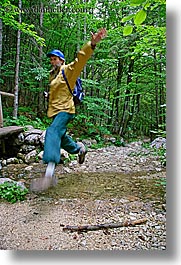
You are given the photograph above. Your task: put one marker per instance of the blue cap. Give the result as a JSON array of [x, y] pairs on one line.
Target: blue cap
[[56, 53]]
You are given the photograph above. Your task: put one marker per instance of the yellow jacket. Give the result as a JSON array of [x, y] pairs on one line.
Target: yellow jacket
[[60, 99]]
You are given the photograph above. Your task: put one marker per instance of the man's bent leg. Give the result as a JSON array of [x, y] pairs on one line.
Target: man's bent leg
[[74, 148], [69, 145]]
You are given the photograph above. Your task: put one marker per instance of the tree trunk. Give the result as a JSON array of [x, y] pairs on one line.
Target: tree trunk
[[1, 40], [115, 103], [16, 87], [126, 108], [40, 94], [85, 33], [162, 117], [156, 92]]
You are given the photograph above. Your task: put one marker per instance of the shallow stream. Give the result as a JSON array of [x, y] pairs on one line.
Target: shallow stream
[[110, 185], [144, 186]]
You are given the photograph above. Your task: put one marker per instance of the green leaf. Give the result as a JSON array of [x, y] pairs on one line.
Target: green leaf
[[127, 18], [137, 2], [127, 30], [140, 17], [12, 192]]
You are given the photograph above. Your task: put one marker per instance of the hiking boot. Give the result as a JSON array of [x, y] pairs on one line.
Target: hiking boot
[[46, 181], [40, 184], [82, 153], [50, 170]]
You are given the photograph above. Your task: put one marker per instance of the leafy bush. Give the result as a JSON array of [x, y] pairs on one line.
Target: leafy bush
[[12, 192], [24, 121]]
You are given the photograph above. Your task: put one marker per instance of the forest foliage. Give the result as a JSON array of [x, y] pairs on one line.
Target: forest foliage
[[124, 81]]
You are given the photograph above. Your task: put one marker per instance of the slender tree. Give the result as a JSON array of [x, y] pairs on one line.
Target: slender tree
[[1, 41], [16, 87]]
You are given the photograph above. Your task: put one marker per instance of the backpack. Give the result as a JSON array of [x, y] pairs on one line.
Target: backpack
[[78, 94]]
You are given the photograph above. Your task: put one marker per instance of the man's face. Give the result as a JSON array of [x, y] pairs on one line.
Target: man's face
[[55, 61]]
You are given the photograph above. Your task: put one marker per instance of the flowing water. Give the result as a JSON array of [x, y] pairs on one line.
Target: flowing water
[[138, 186], [109, 185], [145, 186]]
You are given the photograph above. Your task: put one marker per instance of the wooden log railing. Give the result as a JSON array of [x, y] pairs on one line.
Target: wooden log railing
[[1, 109]]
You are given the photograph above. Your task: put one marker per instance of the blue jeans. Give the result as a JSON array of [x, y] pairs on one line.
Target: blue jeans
[[56, 138]]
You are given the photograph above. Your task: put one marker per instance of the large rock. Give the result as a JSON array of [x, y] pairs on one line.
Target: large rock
[[159, 142], [31, 157], [19, 183]]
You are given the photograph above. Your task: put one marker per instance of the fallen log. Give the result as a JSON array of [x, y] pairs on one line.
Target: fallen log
[[85, 228]]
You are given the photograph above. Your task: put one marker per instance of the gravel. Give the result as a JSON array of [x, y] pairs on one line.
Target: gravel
[[38, 223]]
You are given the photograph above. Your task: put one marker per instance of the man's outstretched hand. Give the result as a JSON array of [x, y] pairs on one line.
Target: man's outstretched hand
[[97, 37]]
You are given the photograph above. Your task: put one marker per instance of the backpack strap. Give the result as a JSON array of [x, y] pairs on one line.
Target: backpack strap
[[65, 78]]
